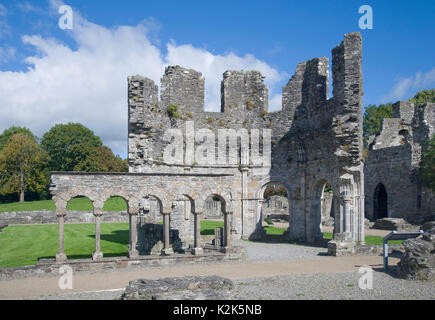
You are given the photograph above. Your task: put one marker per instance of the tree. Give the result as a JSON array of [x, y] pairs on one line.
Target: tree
[[423, 97], [61, 144], [428, 165], [274, 190], [7, 133], [101, 159], [373, 116], [21, 166]]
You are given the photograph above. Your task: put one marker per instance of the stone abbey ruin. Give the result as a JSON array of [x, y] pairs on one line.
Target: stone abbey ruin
[[315, 141]]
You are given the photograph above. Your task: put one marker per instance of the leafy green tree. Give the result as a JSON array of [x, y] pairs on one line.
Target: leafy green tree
[[372, 119], [7, 133], [428, 165], [101, 159], [22, 164], [423, 97], [61, 143]]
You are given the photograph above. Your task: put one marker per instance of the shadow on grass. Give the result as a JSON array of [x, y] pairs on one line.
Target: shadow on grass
[[207, 232], [117, 236]]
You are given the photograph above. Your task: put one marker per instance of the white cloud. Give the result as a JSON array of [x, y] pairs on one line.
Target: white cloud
[[89, 84], [7, 53], [4, 26], [406, 88]]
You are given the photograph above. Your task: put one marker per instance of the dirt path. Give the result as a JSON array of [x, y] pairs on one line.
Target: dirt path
[[13, 289]]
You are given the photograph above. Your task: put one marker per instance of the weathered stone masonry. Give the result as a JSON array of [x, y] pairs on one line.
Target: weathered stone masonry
[[392, 167], [315, 140]]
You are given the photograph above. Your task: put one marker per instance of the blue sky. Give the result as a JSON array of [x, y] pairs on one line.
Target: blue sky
[[49, 75]]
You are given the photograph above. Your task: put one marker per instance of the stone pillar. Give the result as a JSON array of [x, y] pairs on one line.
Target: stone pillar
[[196, 250], [97, 254], [60, 255], [347, 218], [246, 228], [361, 231], [167, 250], [227, 232], [132, 252]]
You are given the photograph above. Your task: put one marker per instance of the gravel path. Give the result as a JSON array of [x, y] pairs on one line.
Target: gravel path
[[319, 286], [258, 251], [332, 286]]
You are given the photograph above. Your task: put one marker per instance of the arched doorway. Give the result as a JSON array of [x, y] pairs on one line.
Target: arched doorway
[[275, 209], [214, 214], [321, 223], [380, 202]]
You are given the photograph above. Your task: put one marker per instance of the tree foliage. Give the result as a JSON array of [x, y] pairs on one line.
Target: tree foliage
[[7, 133], [274, 189], [101, 159], [63, 143], [428, 165], [22, 164], [372, 120], [423, 97]]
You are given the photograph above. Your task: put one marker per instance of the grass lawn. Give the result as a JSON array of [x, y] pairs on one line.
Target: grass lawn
[[24, 245], [77, 204], [370, 240]]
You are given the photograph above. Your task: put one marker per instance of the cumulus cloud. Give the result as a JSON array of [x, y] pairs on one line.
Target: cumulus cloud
[[406, 88], [89, 84]]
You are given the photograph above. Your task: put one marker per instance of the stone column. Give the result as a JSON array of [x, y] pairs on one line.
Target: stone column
[[227, 232], [132, 251], [347, 219], [97, 254], [196, 250], [167, 250], [246, 229], [60, 255]]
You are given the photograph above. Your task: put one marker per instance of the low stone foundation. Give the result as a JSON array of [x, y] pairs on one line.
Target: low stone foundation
[[47, 217], [342, 248], [181, 288], [49, 267]]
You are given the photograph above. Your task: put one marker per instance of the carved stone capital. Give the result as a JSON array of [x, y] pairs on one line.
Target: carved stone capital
[[60, 213]]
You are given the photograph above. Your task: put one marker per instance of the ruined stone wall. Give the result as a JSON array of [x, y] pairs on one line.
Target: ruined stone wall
[[394, 158], [314, 140]]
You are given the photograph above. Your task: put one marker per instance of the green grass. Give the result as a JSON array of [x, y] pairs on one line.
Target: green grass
[[207, 227], [274, 230], [77, 204], [24, 245], [370, 240]]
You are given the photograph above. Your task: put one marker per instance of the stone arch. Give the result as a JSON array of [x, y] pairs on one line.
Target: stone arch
[[260, 196], [108, 193], [61, 200], [314, 229], [223, 194], [380, 202]]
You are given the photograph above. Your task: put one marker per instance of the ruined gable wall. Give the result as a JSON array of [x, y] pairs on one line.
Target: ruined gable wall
[[394, 158], [313, 138]]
